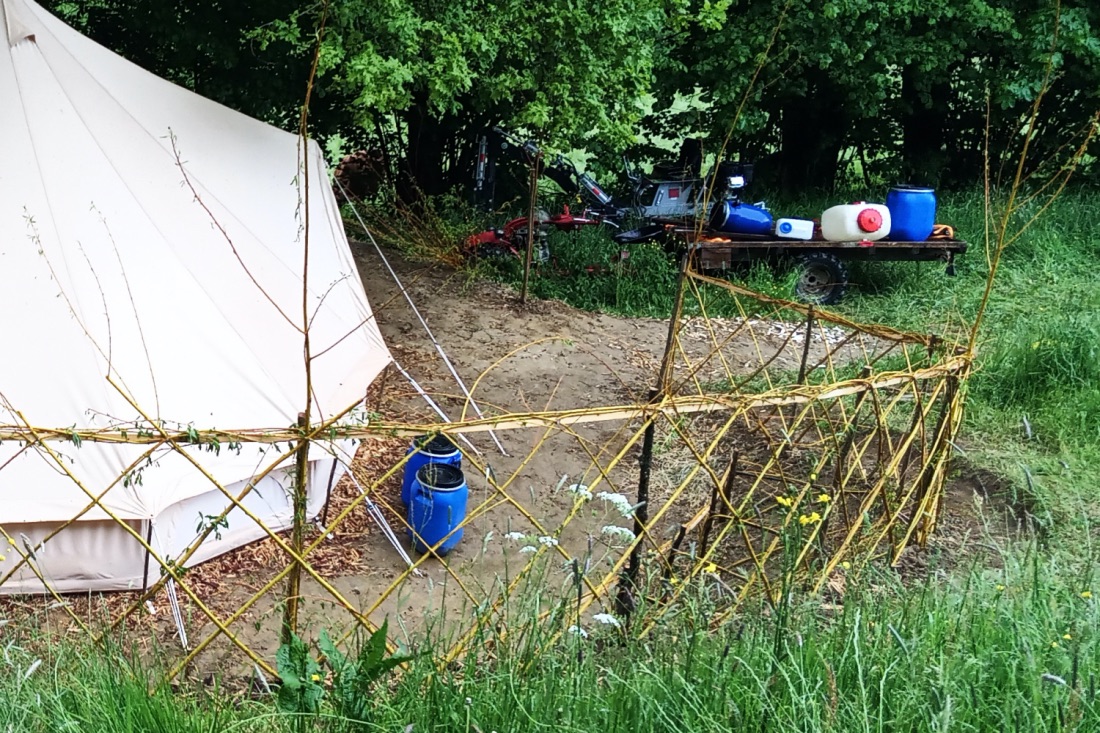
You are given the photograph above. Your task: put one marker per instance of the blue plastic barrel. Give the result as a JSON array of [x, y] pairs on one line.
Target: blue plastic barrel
[[912, 213], [738, 218], [428, 449], [440, 495]]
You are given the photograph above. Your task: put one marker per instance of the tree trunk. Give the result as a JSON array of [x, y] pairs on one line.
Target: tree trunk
[[813, 130], [924, 114]]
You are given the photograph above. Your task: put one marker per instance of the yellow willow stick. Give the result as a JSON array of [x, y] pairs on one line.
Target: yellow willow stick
[[877, 330], [504, 497], [45, 583], [617, 567], [931, 498], [789, 516], [279, 541], [87, 508], [243, 608], [191, 549], [594, 592], [710, 330], [459, 647], [692, 369], [682, 404], [484, 508], [861, 450], [837, 554], [773, 460], [497, 363], [937, 460], [152, 553], [756, 559], [867, 503]]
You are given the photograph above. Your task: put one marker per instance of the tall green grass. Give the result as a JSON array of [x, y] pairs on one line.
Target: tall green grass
[[1010, 649]]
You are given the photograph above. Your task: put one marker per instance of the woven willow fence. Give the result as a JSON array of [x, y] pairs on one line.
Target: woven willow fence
[[817, 457]]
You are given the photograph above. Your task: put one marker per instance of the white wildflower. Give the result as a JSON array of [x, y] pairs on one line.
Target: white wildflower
[[578, 631], [617, 532], [620, 502], [608, 619], [548, 541], [514, 536], [528, 549], [580, 491]]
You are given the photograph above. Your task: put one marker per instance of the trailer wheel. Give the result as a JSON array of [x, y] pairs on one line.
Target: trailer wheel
[[822, 278]]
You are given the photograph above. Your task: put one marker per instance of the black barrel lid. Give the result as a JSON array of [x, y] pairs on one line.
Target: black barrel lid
[[438, 445], [440, 476]]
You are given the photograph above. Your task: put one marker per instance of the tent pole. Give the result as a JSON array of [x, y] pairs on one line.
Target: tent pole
[[149, 543], [328, 494]]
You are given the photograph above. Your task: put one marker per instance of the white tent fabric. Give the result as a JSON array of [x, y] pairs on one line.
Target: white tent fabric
[[113, 270]]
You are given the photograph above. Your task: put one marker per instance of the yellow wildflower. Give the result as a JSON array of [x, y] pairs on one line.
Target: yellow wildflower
[[1086, 594], [1000, 587], [674, 580], [710, 568], [784, 501], [846, 565], [1067, 637], [824, 498], [813, 518], [316, 678], [1053, 645]]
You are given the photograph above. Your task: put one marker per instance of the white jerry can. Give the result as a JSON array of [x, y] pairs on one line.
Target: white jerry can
[[855, 222]]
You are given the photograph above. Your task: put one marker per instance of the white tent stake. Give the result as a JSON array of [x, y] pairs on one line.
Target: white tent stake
[[177, 615], [415, 310]]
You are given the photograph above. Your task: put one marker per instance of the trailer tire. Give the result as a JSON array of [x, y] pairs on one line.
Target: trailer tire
[[822, 278]]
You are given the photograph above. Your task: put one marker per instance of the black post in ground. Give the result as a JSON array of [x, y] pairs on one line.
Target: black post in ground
[[723, 493], [531, 224], [628, 584], [806, 345]]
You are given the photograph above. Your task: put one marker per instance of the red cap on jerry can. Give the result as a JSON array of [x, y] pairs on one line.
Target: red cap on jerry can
[[869, 220]]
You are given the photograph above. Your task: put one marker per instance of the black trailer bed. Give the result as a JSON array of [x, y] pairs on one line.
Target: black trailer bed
[[720, 252]]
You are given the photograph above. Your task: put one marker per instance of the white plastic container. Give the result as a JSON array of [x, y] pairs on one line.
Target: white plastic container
[[855, 222], [794, 229]]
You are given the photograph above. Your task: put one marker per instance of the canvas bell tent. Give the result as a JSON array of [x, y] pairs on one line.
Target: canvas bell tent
[[151, 259]]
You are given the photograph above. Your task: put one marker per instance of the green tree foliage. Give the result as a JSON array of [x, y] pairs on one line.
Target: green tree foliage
[[426, 77], [899, 89], [205, 48], [901, 85]]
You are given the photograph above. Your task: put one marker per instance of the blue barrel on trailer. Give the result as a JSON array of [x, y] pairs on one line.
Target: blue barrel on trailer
[[427, 449], [912, 213], [738, 218], [439, 500]]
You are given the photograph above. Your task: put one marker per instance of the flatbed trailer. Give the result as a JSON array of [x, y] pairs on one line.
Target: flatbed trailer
[[822, 265]]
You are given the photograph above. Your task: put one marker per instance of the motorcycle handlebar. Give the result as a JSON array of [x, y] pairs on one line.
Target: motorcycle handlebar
[[530, 146]]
